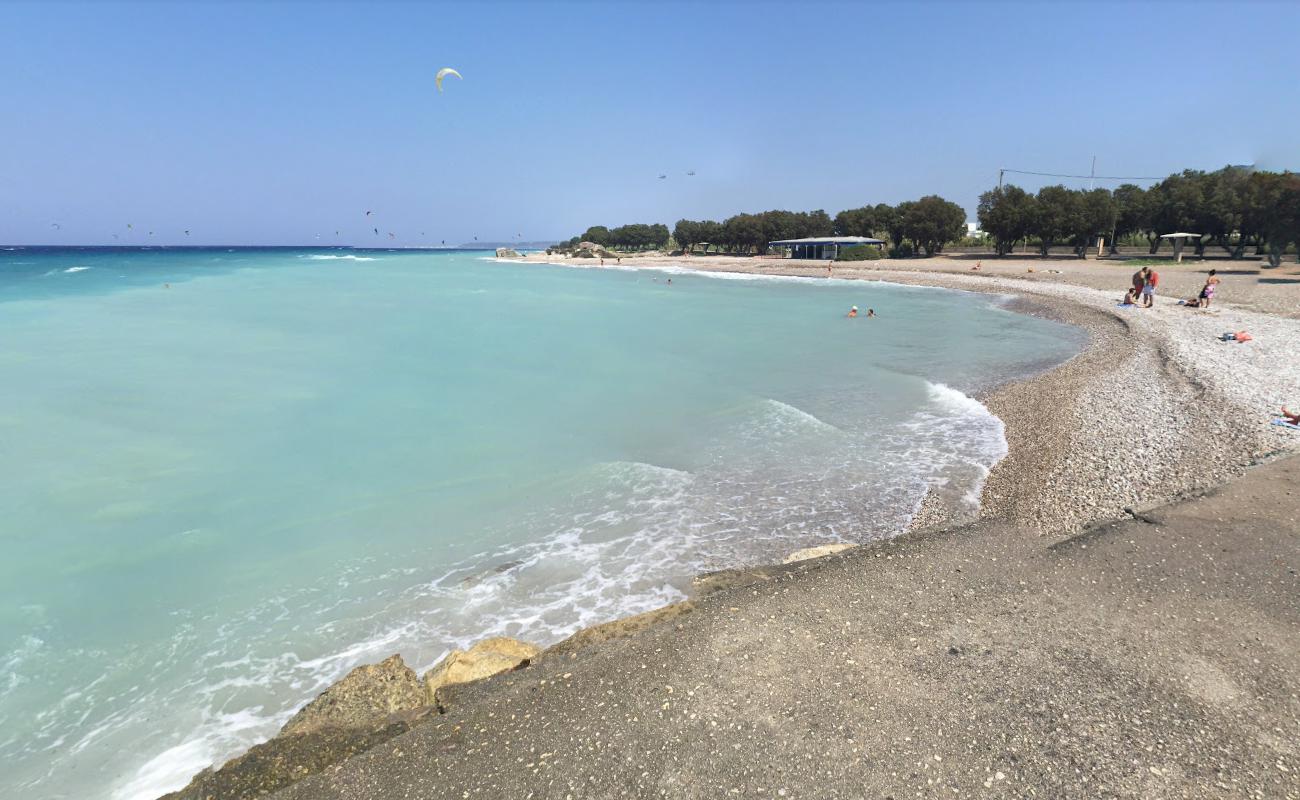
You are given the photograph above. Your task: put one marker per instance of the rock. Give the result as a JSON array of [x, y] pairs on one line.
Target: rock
[[284, 760], [507, 252], [817, 552], [619, 628], [485, 659], [364, 697], [593, 250], [475, 580], [370, 705], [713, 582]]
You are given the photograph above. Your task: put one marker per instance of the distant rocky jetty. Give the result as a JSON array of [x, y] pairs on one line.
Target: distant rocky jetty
[[582, 250]]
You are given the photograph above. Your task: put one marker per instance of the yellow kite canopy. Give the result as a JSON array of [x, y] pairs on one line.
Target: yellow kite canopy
[[444, 72]]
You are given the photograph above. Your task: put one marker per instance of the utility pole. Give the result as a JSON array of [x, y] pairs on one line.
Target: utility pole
[[1092, 173], [1000, 173]]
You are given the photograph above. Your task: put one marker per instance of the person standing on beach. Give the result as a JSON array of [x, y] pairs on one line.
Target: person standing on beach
[[1207, 291], [1149, 289], [1139, 280]]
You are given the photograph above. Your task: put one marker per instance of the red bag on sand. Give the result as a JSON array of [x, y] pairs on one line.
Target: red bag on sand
[[1242, 336]]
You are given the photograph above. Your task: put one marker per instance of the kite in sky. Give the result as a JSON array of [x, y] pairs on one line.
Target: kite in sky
[[444, 72]]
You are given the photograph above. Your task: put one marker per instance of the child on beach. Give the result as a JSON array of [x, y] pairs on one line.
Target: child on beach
[[1207, 291]]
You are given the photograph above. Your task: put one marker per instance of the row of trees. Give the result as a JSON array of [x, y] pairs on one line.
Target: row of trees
[[638, 236], [1233, 208], [927, 224], [751, 232]]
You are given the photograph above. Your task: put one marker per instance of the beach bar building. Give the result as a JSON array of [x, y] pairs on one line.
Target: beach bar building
[[821, 247]]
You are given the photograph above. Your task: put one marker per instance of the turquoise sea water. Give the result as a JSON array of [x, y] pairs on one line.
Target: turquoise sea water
[[222, 494]]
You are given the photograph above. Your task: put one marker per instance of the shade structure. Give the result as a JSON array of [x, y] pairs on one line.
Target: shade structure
[[822, 247], [1179, 239]]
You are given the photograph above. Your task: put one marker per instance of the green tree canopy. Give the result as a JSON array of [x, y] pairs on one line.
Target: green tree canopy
[[1007, 214], [856, 222], [1056, 216], [596, 233], [896, 224], [932, 222]]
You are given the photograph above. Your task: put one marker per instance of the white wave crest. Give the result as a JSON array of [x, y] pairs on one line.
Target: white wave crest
[[76, 269], [348, 257]]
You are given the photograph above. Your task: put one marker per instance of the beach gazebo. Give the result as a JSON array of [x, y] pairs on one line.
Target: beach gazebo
[[821, 247], [1179, 239]]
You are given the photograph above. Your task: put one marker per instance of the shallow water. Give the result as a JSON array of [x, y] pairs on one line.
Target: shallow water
[[222, 495]]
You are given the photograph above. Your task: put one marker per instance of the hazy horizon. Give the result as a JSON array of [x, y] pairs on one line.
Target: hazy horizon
[[275, 124]]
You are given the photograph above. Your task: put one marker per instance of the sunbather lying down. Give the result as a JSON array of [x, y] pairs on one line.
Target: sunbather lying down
[[1291, 417]]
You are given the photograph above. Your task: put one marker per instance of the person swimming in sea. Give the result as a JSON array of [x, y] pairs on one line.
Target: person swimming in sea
[[853, 312], [871, 312]]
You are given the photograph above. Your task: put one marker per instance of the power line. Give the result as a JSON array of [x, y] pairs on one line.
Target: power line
[[1096, 177]]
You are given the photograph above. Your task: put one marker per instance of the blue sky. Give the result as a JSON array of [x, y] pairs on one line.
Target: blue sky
[[272, 123]]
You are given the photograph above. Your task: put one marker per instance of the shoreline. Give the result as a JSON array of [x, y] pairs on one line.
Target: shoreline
[[1053, 480], [1132, 420]]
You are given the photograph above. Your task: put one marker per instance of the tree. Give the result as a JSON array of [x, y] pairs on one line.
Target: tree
[[598, 234], [1177, 203], [689, 233], [1132, 213], [896, 224], [1006, 214], [1224, 208], [855, 222], [932, 222], [1056, 216], [1096, 217], [744, 232], [885, 215], [1280, 220], [639, 236]]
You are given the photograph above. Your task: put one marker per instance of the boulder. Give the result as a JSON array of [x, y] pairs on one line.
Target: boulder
[[284, 760], [364, 697], [507, 252], [619, 628], [817, 552], [485, 659]]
